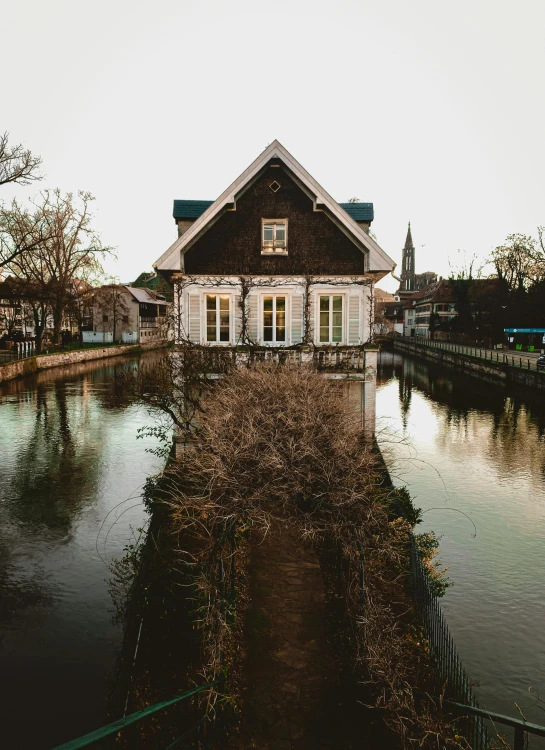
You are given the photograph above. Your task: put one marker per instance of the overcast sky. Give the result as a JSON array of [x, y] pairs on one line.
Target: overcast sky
[[432, 110]]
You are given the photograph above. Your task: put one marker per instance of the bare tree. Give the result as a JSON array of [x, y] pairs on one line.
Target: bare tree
[[17, 164], [54, 247], [74, 250], [22, 230]]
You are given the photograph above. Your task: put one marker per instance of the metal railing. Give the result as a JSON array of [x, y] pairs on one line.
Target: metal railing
[[345, 359], [20, 350], [17, 353], [135, 718], [494, 356], [443, 652]]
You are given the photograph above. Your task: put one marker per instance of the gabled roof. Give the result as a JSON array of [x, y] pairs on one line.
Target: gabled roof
[[378, 260], [145, 295]]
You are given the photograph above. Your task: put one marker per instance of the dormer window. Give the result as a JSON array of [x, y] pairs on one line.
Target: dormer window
[[275, 237]]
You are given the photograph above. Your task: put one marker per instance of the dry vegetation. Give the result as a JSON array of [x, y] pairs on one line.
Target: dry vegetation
[[279, 444]]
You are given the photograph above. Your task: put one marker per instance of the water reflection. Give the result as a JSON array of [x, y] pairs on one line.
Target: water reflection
[[464, 445], [69, 456]]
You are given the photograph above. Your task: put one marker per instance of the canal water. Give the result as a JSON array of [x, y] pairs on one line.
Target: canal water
[[473, 455], [71, 473]]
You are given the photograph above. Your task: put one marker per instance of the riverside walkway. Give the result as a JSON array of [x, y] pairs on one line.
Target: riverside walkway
[[509, 358]]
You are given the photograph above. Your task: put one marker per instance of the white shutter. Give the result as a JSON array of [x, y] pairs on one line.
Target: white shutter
[[194, 323], [296, 318], [238, 319], [353, 319], [251, 301]]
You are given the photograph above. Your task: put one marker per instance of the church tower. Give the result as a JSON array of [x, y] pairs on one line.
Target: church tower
[[408, 275]]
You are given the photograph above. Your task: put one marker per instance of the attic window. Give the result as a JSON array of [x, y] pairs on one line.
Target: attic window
[[275, 186], [275, 236]]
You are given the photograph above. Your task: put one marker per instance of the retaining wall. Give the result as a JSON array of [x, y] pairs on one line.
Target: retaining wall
[[21, 367], [487, 370]]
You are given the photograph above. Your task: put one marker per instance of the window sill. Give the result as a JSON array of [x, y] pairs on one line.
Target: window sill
[[274, 252]]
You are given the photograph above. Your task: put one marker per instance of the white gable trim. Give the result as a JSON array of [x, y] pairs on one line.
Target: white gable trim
[[378, 260]]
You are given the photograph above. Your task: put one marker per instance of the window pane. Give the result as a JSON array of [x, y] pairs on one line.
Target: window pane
[[211, 317], [337, 319], [224, 302], [324, 303], [268, 232], [280, 232], [267, 334], [280, 303], [211, 333], [224, 334], [268, 319], [281, 334], [224, 319], [324, 319], [268, 303], [337, 334], [324, 334], [280, 318], [210, 301], [337, 303]]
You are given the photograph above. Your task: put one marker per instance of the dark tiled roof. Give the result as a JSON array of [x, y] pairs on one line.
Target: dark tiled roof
[[190, 209], [359, 211], [193, 209]]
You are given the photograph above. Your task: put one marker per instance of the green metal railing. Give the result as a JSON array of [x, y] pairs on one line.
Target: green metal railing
[[135, 718], [494, 356], [472, 719], [521, 728], [443, 652]]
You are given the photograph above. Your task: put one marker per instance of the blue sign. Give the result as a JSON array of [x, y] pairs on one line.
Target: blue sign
[[524, 330]]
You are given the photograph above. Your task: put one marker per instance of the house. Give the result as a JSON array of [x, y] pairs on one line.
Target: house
[[388, 313], [122, 313], [467, 308], [275, 261]]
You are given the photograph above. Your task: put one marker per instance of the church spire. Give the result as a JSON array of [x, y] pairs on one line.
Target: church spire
[[409, 240], [408, 275]]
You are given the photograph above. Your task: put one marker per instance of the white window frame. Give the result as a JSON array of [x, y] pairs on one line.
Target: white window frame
[[330, 293], [204, 317], [261, 317], [274, 250]]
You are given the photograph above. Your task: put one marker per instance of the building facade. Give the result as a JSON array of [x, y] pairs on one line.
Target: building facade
[[275, 261], [125, 314]]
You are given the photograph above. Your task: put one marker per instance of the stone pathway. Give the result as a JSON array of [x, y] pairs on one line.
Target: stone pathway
[[288, 693]]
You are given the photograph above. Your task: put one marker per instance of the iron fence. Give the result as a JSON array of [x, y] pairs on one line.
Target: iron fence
[[24, 350], [494, 356], [444, 655]]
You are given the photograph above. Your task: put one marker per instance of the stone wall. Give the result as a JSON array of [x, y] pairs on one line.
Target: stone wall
[[484, 370], [22, 367]]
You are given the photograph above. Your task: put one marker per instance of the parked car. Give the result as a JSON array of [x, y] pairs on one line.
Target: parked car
[[541, 362]]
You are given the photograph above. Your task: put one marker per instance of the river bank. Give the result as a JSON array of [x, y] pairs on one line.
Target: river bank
[[70, 502], [23, 367], [473, 452], [486, 369]]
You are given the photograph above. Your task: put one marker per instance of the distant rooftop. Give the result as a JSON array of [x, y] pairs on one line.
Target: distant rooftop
[[193, 209]]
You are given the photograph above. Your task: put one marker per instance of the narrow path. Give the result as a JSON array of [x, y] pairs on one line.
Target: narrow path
[[288, 669]]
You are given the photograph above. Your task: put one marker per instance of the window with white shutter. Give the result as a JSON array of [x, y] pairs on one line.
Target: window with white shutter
[[296, 318], [194, 314], [353, 319]]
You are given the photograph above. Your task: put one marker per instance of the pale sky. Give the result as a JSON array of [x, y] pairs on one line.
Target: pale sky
[[432, 110]]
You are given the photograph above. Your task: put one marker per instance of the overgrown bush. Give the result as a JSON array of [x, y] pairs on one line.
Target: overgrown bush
[[280, 444]]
